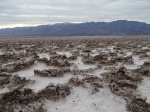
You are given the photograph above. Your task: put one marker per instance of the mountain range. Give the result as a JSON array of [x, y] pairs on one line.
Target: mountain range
[[119, 27]]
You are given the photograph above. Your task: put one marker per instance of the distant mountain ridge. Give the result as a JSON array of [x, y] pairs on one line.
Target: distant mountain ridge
[[119, 27]]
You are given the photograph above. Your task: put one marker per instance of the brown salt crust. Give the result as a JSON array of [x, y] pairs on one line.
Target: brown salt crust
[[38, 45], [33, 107], [17, 82], [146, 63], [55, 92], [18, 66], [144, 71], [43, 60], [4, 78], [76, 71], [73, 57], [59, 63], [139, 52], [124, 83], [75, 81], [52, 72], [9, 101], [143, 56], [48, 73], [91, 79], [128, 60]]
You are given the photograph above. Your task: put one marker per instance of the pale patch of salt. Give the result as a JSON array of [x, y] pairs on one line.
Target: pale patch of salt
[[81, 65], [1, 52], [30, 72], [4, 90], [99, 72], [44, 55], [138, 61], [81, 100], [131, 67], [145, 48], [148, 53], [129, 53], [144, 88], [68, 54], [42, 82]]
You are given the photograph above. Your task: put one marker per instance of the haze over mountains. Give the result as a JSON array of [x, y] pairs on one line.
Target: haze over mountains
[[120, 27]]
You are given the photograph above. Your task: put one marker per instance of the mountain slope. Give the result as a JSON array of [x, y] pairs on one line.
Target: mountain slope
[[120, 27]]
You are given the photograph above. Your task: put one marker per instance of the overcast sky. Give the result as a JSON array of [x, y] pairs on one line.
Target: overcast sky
[[35, 12]]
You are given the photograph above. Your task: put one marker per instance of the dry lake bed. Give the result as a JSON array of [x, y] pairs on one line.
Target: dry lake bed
[[75, 74]]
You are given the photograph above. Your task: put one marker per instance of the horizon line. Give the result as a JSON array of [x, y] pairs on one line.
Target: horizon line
[[54, 23]]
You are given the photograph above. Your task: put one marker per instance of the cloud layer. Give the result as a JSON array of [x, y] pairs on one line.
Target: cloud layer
[[35, 12]]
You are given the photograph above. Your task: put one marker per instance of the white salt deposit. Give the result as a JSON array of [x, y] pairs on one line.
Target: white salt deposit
[[94, 52], [1, 52], [129, 53], [44, 55], [67, 53], [4, 90], [42, 82], [145, 48], [138, 61], [131, 67], [144, 88], [81, 65], [148, 53], [30, 72], [99, 72], [81, 100]]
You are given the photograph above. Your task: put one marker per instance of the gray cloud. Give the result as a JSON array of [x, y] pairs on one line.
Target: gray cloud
[[35, 12]]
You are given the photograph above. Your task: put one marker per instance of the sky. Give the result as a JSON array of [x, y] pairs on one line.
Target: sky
[[17, 13]]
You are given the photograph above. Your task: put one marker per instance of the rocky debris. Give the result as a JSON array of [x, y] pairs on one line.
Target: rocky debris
[[55, 92], [75, 81], [9, 101], [52, 72]]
